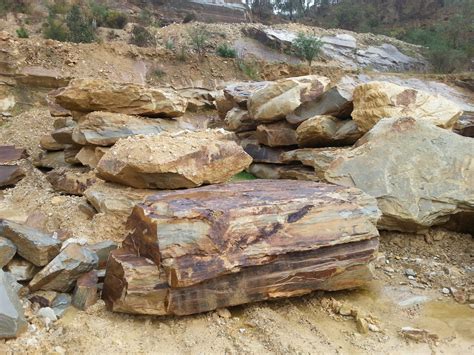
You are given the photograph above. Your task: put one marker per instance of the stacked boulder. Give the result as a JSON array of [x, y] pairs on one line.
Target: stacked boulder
[[393, 142], [43, 269]]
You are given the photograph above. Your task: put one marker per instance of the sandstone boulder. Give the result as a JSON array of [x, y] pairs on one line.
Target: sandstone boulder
[[47, 142], [241, 242], [336, 102], [106, 128], [240, 93], [419, 173], [88, 95], [277, 134], [168, 161], [279, 98], [379, 99], [326, 131]]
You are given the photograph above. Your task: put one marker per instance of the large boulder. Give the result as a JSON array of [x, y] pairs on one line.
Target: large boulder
[[106, 128], [12, 318], [216, 246], [87, 95], [277, 134], [172, 161], [279, 98], [238, 120], [327, 131], [379, 99], [419, 173]]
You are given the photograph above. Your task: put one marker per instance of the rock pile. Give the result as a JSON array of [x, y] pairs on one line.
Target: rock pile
[[48, 268], [311, 139]]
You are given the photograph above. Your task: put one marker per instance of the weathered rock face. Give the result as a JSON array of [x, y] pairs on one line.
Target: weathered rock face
[[33, 245], [88, 95], [61, 273], [12, 319], [106, 128], [167, 161], [238, 120], [279, 98], [237, 237], [376, 100], [419, 173], [102, 250], [21, 269], [277, 134], [327, 131]]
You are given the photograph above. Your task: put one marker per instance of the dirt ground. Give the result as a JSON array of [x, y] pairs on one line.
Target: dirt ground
[[441, 262]]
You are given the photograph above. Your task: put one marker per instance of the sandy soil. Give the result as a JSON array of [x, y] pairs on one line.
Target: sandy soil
[[304, 325]]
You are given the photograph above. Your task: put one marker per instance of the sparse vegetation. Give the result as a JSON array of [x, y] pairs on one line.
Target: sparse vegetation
[[142, 37], [22, 32], [182, 54], [198, 39], [169, 44], [80, 27], [21, 6], [307, 47], [250, 68], [158, 73], [226, 51]]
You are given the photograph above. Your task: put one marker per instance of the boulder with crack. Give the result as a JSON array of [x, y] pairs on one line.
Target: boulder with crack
[[420, 174], [172, 161], [196, 250]]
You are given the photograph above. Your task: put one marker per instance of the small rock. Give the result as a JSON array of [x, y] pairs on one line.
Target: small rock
[[410, 272], [445, 291], [21, 269], [374, 328], [224, 313], [418, 334], [7, 251], [33, 245], [12, 319], [61, 303], [102, 250], [61, 273], [47, 313], [345, 310], [43, 298], [389, 269], [362, 325], [85, 293]]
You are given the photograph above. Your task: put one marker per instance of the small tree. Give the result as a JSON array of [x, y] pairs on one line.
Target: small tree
[[22, 32], [199, 37], [226, 51], [81, 29], [307, 47]]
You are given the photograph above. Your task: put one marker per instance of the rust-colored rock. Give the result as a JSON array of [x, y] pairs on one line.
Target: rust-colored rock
[[197, 250], [85, 293], [87, 95], [10, 154], [277, 134], [72, 182], [10, 175]]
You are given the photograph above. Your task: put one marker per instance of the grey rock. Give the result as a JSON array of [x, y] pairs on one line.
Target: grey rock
[[61, 303], [420, 174], [21, 269], [63, 271], [102, 250], [12, 319], [33, 245], [276, 171], [47, 313], [7, 251]]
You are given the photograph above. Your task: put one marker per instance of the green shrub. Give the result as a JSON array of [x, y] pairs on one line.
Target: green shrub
[[169, 44], [189, 17], [198, 39], [115, 19], [142, 37], [55, 29], [182, 54], [21, 6], [22, 32], [159, 73], [307, 47], [250, 68], [225, 51], [80, 27]]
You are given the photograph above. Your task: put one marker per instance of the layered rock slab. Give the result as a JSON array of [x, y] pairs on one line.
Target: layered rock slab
[[172, 161], [87, 95], [419, 173], [196, 250]]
